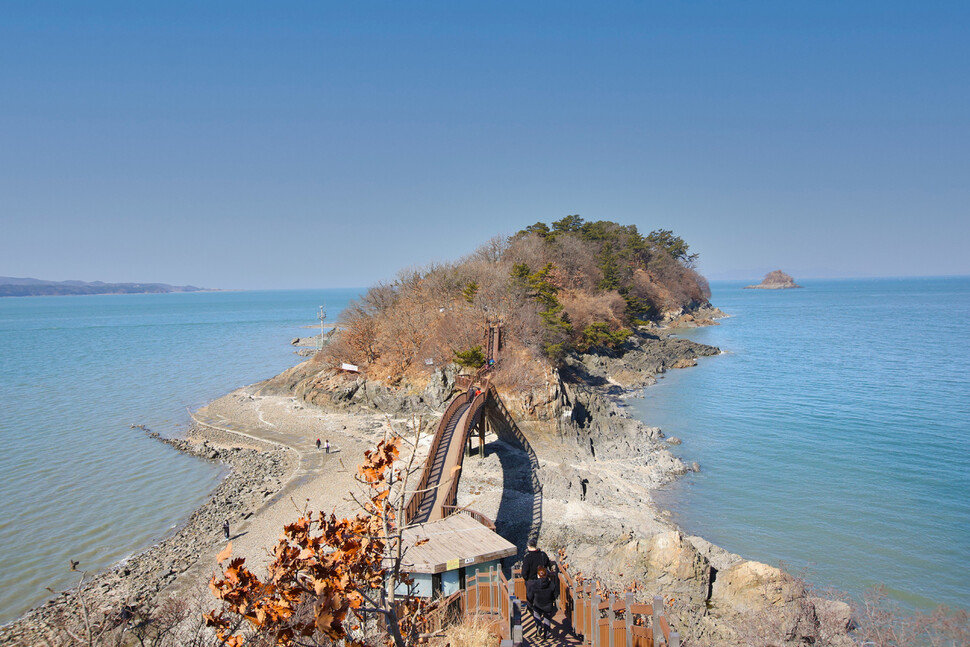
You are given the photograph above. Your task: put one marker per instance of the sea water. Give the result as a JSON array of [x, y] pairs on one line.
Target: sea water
[[833, 434], [76, 481]]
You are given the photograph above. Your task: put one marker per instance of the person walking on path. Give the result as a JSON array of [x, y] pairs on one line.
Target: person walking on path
[[534, 560], [541, 596], [326, 445], [318, 443], [225, 528]]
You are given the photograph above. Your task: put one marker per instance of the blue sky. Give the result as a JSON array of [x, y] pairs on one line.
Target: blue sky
[[321, 144]]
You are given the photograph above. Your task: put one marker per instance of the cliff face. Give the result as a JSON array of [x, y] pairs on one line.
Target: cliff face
[[776, 280]]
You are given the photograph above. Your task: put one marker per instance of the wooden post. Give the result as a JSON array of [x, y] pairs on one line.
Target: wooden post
[[609, 621], [492, 588], [516, 612], [589, 612], [579, 624], [596, 620], [510, 621], [655, 620], [628, 619]]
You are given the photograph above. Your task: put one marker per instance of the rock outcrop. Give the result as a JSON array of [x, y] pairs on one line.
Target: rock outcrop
[[761, 599], [776, 280], [318, 384], [596, 469]]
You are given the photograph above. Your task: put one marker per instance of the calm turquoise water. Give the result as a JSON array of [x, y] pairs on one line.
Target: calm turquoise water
[[75, 481], [834, 435]]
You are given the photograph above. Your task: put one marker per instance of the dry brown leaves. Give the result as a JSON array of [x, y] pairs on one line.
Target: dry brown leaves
[[332, 562]]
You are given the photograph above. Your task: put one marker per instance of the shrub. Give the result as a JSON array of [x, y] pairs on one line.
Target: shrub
[[599, 335], [471, 358]]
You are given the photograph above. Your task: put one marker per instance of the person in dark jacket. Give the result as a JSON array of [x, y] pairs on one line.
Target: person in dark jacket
[[541, 595], [534, 560]]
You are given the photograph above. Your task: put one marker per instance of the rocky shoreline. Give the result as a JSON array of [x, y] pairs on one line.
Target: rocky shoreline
[[597, 468], [604, 457], [256, 472]]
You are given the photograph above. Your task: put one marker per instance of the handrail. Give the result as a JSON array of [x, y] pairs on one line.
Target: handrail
[[584, 607], [474, 514], [418, 495], [489, 592], [504, 415], [474, 412], [442, 611]]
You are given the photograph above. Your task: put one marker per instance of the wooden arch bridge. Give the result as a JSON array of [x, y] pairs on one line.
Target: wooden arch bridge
[[584, 618], [473, 412]]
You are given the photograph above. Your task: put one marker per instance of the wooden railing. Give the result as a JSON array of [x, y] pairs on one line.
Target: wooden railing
[[614, 622], [475, 409], [507, 430], [474, 514], [442, 613], [490, 594], [414, 503]]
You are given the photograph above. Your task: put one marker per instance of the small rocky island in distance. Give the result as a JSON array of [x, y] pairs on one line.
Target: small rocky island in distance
[[17, 287], [776, 280]]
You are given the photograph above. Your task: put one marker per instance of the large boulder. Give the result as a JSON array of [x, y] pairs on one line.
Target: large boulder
[[767, 602], [749, 585], [441, 386], [665, 563]]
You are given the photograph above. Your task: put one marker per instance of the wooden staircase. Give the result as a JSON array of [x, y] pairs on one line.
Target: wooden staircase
[[560, 635]]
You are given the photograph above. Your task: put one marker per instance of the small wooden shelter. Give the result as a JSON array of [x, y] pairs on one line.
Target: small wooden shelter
[[458, 546]]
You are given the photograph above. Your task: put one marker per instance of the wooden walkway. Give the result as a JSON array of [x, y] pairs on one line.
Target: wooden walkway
[[583, 617], [560, 634], [430, 497], [617, 621]]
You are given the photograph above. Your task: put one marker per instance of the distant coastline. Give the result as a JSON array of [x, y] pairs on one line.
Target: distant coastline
[[27, 287]]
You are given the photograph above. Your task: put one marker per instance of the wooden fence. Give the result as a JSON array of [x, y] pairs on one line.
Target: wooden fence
[[443, 613], [490, 594], [613, 622]]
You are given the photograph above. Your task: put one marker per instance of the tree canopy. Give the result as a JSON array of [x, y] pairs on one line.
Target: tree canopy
[[569, 286]]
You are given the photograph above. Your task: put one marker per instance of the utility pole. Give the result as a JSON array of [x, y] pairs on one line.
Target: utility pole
[[322, 316]]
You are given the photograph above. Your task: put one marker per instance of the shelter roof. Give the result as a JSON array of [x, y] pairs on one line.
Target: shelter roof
[[455, 541]]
